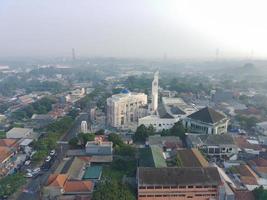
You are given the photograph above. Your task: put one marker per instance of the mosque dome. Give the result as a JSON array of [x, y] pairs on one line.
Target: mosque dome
[[125, 91]]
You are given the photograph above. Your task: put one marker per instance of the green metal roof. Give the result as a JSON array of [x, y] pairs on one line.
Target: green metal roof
[[152, 157], [93, 172]]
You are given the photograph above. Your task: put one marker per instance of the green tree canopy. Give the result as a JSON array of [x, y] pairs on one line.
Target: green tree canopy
[[112, 190], [142, 132], [260, 193], [115, 138]]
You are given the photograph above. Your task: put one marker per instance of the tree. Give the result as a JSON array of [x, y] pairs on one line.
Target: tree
[[10, 184], [112, 190], [142, 132], [260, 193], [73, 142], [85, 137], [125, 150], [115, 139], [100, 132], [178, 130]]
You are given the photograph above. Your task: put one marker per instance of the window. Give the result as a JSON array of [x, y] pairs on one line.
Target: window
[[158, 187], [199, 186], [189, 197], [182, 187], [150, 187], [190, 186], [142, 187]]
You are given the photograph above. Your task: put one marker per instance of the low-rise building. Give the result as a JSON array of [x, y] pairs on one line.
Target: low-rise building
[[165, 142], [178, 183], [60, 184], [206, 121], [261, 128], [222, 146], [259, 165], [18, 133], [99, 148]]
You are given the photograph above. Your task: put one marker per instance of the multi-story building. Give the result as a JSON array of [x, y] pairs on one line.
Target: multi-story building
[[124, 109], [84, 127], [178, 183], [206, 121], [154, 92]]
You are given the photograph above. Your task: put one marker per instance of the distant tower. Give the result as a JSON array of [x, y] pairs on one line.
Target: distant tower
[[84, 128], [155, 88], [73, 54]]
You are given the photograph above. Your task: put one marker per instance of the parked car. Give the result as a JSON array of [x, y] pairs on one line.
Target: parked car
[[52, 152], [27, 162], [28, 175], [36, 170], [29, 170], [48, 158]]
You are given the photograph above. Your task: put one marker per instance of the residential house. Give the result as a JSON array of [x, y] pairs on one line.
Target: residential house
[[222, 146]]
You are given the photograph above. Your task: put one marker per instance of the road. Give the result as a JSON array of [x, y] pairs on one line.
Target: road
[[32, 190]]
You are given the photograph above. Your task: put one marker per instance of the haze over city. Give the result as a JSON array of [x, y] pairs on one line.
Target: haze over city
[[133, 100], [145, 29]]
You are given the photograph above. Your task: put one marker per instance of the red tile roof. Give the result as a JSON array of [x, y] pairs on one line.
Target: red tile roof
[[5, 153], [78, 186], [57, 180], [8, 142]]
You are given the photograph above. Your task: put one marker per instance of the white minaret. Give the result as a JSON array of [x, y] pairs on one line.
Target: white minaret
[[84, 128], [155, 88]]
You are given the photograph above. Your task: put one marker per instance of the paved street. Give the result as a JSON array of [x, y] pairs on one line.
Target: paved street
[[32, 189]]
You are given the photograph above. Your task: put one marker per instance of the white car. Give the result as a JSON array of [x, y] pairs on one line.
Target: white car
[[36, 170], [53, 152], [27, 162], [48, 158], [29, 170], [29, 175]]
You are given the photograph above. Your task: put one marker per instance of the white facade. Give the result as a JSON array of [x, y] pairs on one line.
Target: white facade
[[196, 126], [158, 123], [124, 109], [84, 128], [154, 93]]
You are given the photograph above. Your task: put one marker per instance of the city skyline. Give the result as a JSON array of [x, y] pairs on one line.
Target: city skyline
[[143, 29]]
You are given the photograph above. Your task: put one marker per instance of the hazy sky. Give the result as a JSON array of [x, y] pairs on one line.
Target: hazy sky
[[133, 28]]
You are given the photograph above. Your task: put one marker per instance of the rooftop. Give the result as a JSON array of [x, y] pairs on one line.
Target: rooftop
[[163, 113], [207, 139], [72, 186], [19, 130], [57, 180], [99, 143], [168, 141], [8, 142], [191, 158], [93, 172], [207, 115], [5, 153], [178, 176], [152, 157]]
